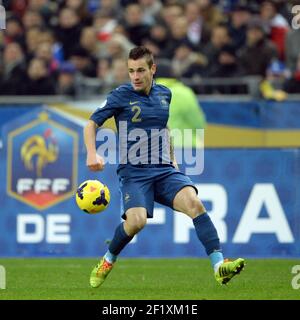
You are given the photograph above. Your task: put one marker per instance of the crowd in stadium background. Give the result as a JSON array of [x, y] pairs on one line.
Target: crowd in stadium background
[[48, 46]]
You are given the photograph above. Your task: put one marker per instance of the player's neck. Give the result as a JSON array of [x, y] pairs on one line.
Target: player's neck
[[147, 91]]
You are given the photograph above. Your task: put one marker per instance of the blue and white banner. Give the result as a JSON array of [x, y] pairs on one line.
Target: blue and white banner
[[252, 195]]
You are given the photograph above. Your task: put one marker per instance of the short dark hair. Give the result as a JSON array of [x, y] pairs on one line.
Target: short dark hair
[[141, 52]]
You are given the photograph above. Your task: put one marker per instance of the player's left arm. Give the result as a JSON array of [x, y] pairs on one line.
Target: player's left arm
[[171, 141]]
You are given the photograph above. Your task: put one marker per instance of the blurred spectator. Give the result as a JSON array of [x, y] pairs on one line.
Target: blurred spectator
[[66, 80], [187, 63], [80, 7], [170, 13], [117, 47], [227, 64], [219, 38], [117, 75], [44, 7], [153, 47], [292, 85], [178, 35], [210, 13], [47, 35], [18, 7], [276, 22], [32, 18], [151, 9], [119, 71], [269, 92], [89, 41], [239, 18], [84, 63], [68, 31], [111, 7], [32, 41], [14, 31], [159, 40], [135, 28], [276, 77], [104, 24], [197, 32], [259, 51], [103, 68], [292, 46], [44, 52], [277, 71], [37, 80], [12, 70]]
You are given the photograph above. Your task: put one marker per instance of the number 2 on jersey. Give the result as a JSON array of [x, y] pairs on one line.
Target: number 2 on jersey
[[137, 112]]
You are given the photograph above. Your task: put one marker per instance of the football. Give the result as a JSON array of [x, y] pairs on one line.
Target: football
[[92, 196]]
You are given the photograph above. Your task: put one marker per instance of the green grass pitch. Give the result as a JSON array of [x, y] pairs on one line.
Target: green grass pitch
[[146, 279]]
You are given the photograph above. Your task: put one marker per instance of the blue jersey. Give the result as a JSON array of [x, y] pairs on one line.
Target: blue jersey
[[141, 121]]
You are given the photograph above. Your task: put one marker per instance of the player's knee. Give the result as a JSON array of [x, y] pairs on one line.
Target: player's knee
[[195, 208], [137, 221]]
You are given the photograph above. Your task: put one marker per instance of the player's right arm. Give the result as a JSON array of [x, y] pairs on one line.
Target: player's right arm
[[110, 107], [93, 161]]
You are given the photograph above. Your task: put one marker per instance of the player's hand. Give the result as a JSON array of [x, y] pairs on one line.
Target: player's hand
[[95, 162]]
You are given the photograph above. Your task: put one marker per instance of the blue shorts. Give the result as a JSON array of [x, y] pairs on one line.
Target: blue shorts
[[141, 186]]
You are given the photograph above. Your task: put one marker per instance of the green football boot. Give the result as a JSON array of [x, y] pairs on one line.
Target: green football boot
[[100, 272], [228, 269]]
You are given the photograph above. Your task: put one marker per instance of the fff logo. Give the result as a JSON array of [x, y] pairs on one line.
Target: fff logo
[[2, 17]]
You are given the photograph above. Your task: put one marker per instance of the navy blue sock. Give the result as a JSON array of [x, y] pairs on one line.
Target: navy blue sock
[[119, 240], [207, 233]]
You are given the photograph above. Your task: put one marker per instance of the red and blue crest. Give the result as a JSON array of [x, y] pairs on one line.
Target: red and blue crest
[[42, 160]]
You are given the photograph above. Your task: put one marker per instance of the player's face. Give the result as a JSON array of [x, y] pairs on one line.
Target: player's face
[[141, 74]]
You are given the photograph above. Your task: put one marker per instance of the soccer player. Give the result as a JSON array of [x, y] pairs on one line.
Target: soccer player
[[142, 104]]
